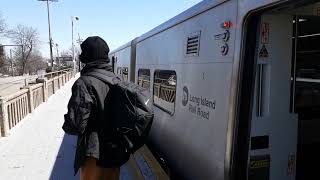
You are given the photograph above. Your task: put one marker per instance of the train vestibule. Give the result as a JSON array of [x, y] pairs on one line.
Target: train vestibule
[[285, 136]]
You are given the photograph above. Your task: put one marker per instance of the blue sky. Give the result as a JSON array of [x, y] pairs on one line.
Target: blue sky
[[117, 21]]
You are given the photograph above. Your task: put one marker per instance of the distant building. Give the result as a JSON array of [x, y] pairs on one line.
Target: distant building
[[66, 61]]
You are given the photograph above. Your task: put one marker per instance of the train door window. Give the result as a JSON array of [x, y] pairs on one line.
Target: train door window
[[125, 73], [164, 89], [144, 78]]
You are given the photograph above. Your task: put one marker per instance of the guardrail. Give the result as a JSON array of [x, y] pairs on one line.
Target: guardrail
[[31, 79], [15, 107], [56, 73]]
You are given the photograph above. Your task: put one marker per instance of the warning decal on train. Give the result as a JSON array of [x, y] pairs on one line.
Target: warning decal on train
[[263, 52], [259, 168], [198, 105], [265, 33], [259, 163], [185, 96]]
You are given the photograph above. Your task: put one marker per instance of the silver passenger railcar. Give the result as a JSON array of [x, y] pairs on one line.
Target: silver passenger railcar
[[231, 95]]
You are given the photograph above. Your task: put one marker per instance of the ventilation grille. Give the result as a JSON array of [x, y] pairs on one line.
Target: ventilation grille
[[193, 44]]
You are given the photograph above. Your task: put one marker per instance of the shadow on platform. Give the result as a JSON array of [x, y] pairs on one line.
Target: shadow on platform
[[63, 166]]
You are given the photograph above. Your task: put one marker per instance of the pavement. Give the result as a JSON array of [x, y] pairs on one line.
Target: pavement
[[38, 149]]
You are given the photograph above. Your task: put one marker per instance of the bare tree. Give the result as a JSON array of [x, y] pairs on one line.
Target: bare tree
[[2, 26], [2, 56], [68, 52], [27, 37], [36, 62], [2, 52], [65, 53]]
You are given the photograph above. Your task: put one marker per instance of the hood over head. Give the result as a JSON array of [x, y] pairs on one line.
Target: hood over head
[[94, 48]]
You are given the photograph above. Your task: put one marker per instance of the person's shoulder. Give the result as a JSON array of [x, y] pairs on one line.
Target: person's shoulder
[[78, 83], [91, 82], [86, 80]]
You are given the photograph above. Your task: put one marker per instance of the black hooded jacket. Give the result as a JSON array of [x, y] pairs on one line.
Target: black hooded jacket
[[86, 105]]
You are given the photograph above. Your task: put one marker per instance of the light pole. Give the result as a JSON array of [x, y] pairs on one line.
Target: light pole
[[50, 38], [73, 58], [57, 47]]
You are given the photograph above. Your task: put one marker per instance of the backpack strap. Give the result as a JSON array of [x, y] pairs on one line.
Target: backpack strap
[[105, 76]]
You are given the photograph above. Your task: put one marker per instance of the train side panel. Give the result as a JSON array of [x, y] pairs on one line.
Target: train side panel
[[122, 59], [190, 131]]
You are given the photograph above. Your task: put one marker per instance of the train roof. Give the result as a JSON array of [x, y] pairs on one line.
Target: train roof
[[121, 47], [184, 16]]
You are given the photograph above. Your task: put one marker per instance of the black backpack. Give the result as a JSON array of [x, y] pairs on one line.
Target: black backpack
[[128, 108]]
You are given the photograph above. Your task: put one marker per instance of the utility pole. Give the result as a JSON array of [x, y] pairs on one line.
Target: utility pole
[[79, 41], [11, 59], [73, 58], [50, 38], [58, 55]]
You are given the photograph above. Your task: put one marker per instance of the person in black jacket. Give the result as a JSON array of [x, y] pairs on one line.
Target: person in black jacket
[[86, 112]]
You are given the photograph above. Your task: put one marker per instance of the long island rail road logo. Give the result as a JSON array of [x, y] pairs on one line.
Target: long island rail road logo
[[199, 105]]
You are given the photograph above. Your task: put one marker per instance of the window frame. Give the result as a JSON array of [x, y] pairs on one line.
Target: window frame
[[175, 96], [121, 71], [150, 85]]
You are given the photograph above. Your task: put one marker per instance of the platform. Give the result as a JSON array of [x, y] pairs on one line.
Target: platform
[[38, 148]]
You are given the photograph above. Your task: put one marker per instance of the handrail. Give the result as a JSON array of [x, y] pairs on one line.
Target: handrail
[[15, 95], [36, 86], [50, 80], [61, 71]]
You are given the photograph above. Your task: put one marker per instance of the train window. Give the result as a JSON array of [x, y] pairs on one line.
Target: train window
[[119, 70], [125, 73], [144, 78], [164, 89]]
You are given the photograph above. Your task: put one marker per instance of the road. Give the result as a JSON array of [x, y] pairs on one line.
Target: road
[[10, 85]]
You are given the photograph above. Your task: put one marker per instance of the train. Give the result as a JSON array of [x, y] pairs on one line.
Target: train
[[231, 99]]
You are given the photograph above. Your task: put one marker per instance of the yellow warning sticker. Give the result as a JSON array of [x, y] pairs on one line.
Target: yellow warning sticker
[[263, 163]]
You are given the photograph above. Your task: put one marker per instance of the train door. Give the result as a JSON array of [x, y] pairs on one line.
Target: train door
[[273, 127], [285, 125]]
